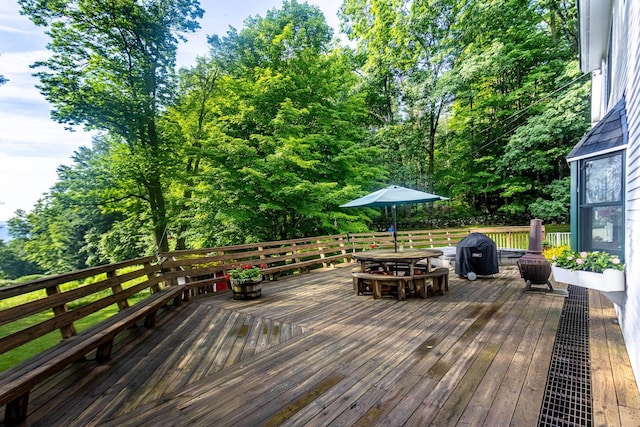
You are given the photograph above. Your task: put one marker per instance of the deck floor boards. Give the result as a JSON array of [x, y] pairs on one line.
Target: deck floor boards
[[312, 352]]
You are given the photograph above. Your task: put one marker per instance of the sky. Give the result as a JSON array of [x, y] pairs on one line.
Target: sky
[[32, 145]]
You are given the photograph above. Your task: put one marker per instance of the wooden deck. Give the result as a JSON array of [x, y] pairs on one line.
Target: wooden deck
[[311, 352]]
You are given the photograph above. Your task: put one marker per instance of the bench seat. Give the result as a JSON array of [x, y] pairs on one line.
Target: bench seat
[[17, 382], [377, 280], [439, 278]]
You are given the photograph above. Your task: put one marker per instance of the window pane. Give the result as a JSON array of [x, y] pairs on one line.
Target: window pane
[[606, 228], [603, 180]]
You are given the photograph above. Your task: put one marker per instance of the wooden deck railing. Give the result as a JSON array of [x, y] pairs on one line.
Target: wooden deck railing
[[127, 292], [60, 302], [504, 237], [274, 258], [558, 239]]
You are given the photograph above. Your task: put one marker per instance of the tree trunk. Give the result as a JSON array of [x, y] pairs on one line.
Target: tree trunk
[[158, 214]]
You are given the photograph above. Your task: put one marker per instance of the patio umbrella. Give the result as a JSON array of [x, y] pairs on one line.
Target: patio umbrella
[[391, 196]]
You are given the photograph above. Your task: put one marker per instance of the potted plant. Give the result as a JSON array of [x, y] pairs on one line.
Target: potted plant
[[595, 270], [246, 281]]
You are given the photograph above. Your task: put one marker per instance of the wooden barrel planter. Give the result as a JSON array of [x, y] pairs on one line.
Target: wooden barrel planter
[[244, 289]]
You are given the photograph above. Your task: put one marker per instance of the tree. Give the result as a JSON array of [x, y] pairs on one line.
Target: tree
[[89, 216], [192, 122], [508, 126], [285, 148], [14, 261], [412, 42], [112, 68]]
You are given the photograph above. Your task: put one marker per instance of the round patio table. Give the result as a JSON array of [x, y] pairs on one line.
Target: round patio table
[[384, 257]]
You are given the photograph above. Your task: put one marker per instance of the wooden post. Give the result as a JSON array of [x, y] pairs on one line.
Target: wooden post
[[320, 249], [122, 304], [67, 330], [343, 251], [156, 287]]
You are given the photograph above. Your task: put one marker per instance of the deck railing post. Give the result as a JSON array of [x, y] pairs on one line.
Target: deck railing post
[[67, 330]]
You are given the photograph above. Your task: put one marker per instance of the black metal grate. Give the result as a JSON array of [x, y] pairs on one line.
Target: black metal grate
[[567, 397]]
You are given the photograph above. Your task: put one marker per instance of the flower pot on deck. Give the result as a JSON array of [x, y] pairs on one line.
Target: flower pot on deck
[[608, 281], [244, 289]]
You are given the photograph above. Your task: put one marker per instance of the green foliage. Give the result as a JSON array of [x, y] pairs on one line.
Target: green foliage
[[521, 102], [245, 272], [265, 137], [112, 68], [282, 146], [13, 263], [410, 53], [555, 208]]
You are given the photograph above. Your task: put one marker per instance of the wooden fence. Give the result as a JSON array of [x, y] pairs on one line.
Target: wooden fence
[[558, 239], [504, 237]]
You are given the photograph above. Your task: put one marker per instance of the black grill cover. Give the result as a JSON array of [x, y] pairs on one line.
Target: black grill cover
[[476, 253]]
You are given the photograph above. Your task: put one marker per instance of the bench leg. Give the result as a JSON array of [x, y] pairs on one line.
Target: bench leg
[[178, 299], [16, 411], [401, 290], [421, 287], [150, 320], [103, 352], [377, 290], [358, 285], [437, 285], [442, 285]]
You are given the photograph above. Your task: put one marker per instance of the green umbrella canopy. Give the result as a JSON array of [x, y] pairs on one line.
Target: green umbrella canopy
[[391, 196]]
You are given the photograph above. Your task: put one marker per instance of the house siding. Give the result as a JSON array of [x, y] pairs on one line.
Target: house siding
[[628, 37], [618, 45]]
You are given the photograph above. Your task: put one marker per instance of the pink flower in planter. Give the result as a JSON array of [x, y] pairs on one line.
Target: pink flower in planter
[[579, 261]]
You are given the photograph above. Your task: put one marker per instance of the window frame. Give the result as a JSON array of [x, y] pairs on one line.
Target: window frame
[[586, 210]]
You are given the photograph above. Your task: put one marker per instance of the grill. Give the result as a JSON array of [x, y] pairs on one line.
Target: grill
[[567, 397], [476, 254]]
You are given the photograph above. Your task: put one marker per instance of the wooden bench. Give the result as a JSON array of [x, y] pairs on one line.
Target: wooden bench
[[440, 281], [376, 280], [17, 382]]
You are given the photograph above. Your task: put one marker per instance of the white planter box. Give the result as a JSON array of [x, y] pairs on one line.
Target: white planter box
[[608, 281]]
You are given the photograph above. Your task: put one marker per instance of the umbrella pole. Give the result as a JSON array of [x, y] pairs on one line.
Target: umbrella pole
[[395, 228]]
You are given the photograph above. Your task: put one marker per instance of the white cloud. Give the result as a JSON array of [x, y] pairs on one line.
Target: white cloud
[[38, 136], [8, 29], [20, 62], [24, 180]]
